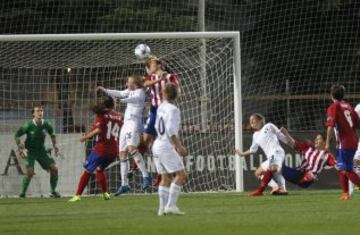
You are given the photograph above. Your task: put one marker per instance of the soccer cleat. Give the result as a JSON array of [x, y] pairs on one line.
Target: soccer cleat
[[75, 198], [173, 211], [256, 193], [344, 197], [106, 196], [279, 192], [122, 190], [22, 195], [161, 212], [146, 182], [55, 194]]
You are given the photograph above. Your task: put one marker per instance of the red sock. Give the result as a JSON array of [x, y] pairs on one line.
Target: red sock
[[142, 148], [101, 180], [84, 179], [265, 181], [344, 181], [353, 177]]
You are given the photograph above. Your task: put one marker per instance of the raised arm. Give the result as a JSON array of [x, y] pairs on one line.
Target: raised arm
[[253, 149], [138, 96], [114, 93], [290, 139]]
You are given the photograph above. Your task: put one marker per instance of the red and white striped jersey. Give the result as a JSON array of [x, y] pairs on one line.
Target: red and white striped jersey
[[314, 159], [156, 94]]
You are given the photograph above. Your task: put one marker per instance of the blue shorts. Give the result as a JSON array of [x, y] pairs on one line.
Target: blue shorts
[[94, 160], [150, 122], [344, 159], [294, 175]]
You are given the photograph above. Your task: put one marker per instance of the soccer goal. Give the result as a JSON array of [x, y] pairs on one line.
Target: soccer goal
[[61, 71]]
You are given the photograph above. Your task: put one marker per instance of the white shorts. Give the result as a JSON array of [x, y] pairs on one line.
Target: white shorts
[[275, 159], [129, 135], [357, 153], [167, 162]]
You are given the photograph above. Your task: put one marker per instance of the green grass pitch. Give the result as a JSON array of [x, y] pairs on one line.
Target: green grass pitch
[[302, 212]]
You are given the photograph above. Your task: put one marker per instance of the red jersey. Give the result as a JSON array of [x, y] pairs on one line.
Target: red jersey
[[342, 116], [107, 141], [314, 159], [156, 94]]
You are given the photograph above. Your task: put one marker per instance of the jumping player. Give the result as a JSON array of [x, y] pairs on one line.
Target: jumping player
[[134, 96], [106, 127], [267, 136], [343, 121], [167, 150], [158, 77], [35, 130]]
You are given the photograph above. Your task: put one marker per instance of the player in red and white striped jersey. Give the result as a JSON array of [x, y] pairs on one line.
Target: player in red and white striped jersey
[[315, 158], [158, 77]]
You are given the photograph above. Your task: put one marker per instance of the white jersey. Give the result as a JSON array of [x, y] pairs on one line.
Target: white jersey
[[135, 100], [268, 139], [167, 124]]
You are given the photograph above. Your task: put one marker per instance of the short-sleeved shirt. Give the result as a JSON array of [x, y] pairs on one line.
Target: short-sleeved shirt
[[107, 141], [156, 89], [343, 118], [167, 124], [35, 134]]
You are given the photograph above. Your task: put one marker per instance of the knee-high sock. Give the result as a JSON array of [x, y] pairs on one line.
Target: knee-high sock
[[280, 180], [140, 163], [354, 178], [174, 193], [163, 196], [344, 181], [84, 179], [271, 184], [101, 180], [265, 181], [25, 184], [53, 181], [124, 172]]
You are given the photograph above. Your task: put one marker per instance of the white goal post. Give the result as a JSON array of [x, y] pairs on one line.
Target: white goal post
[[61, 70]]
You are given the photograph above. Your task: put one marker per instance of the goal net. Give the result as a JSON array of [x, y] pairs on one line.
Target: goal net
[[62, 73]]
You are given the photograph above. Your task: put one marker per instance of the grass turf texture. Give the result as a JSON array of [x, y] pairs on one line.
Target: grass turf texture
[[302, 212]]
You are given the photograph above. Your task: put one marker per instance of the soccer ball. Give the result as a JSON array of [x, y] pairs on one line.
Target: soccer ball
[[142, 51]]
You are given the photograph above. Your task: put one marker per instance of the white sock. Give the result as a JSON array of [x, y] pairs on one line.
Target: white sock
[[163, 196], [273, 184], [174, 193], [280, 180], [140, 163], [124, 172]]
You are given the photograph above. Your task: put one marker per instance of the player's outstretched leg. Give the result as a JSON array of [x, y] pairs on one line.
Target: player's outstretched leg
[[263, 184]]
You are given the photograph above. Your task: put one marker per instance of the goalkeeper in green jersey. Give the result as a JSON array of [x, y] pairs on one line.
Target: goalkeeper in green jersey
[[34, 149]]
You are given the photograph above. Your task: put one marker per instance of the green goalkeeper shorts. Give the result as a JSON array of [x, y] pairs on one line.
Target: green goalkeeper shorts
[[41, 157]]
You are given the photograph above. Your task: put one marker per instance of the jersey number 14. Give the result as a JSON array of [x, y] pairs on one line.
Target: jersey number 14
[[112, 130]]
